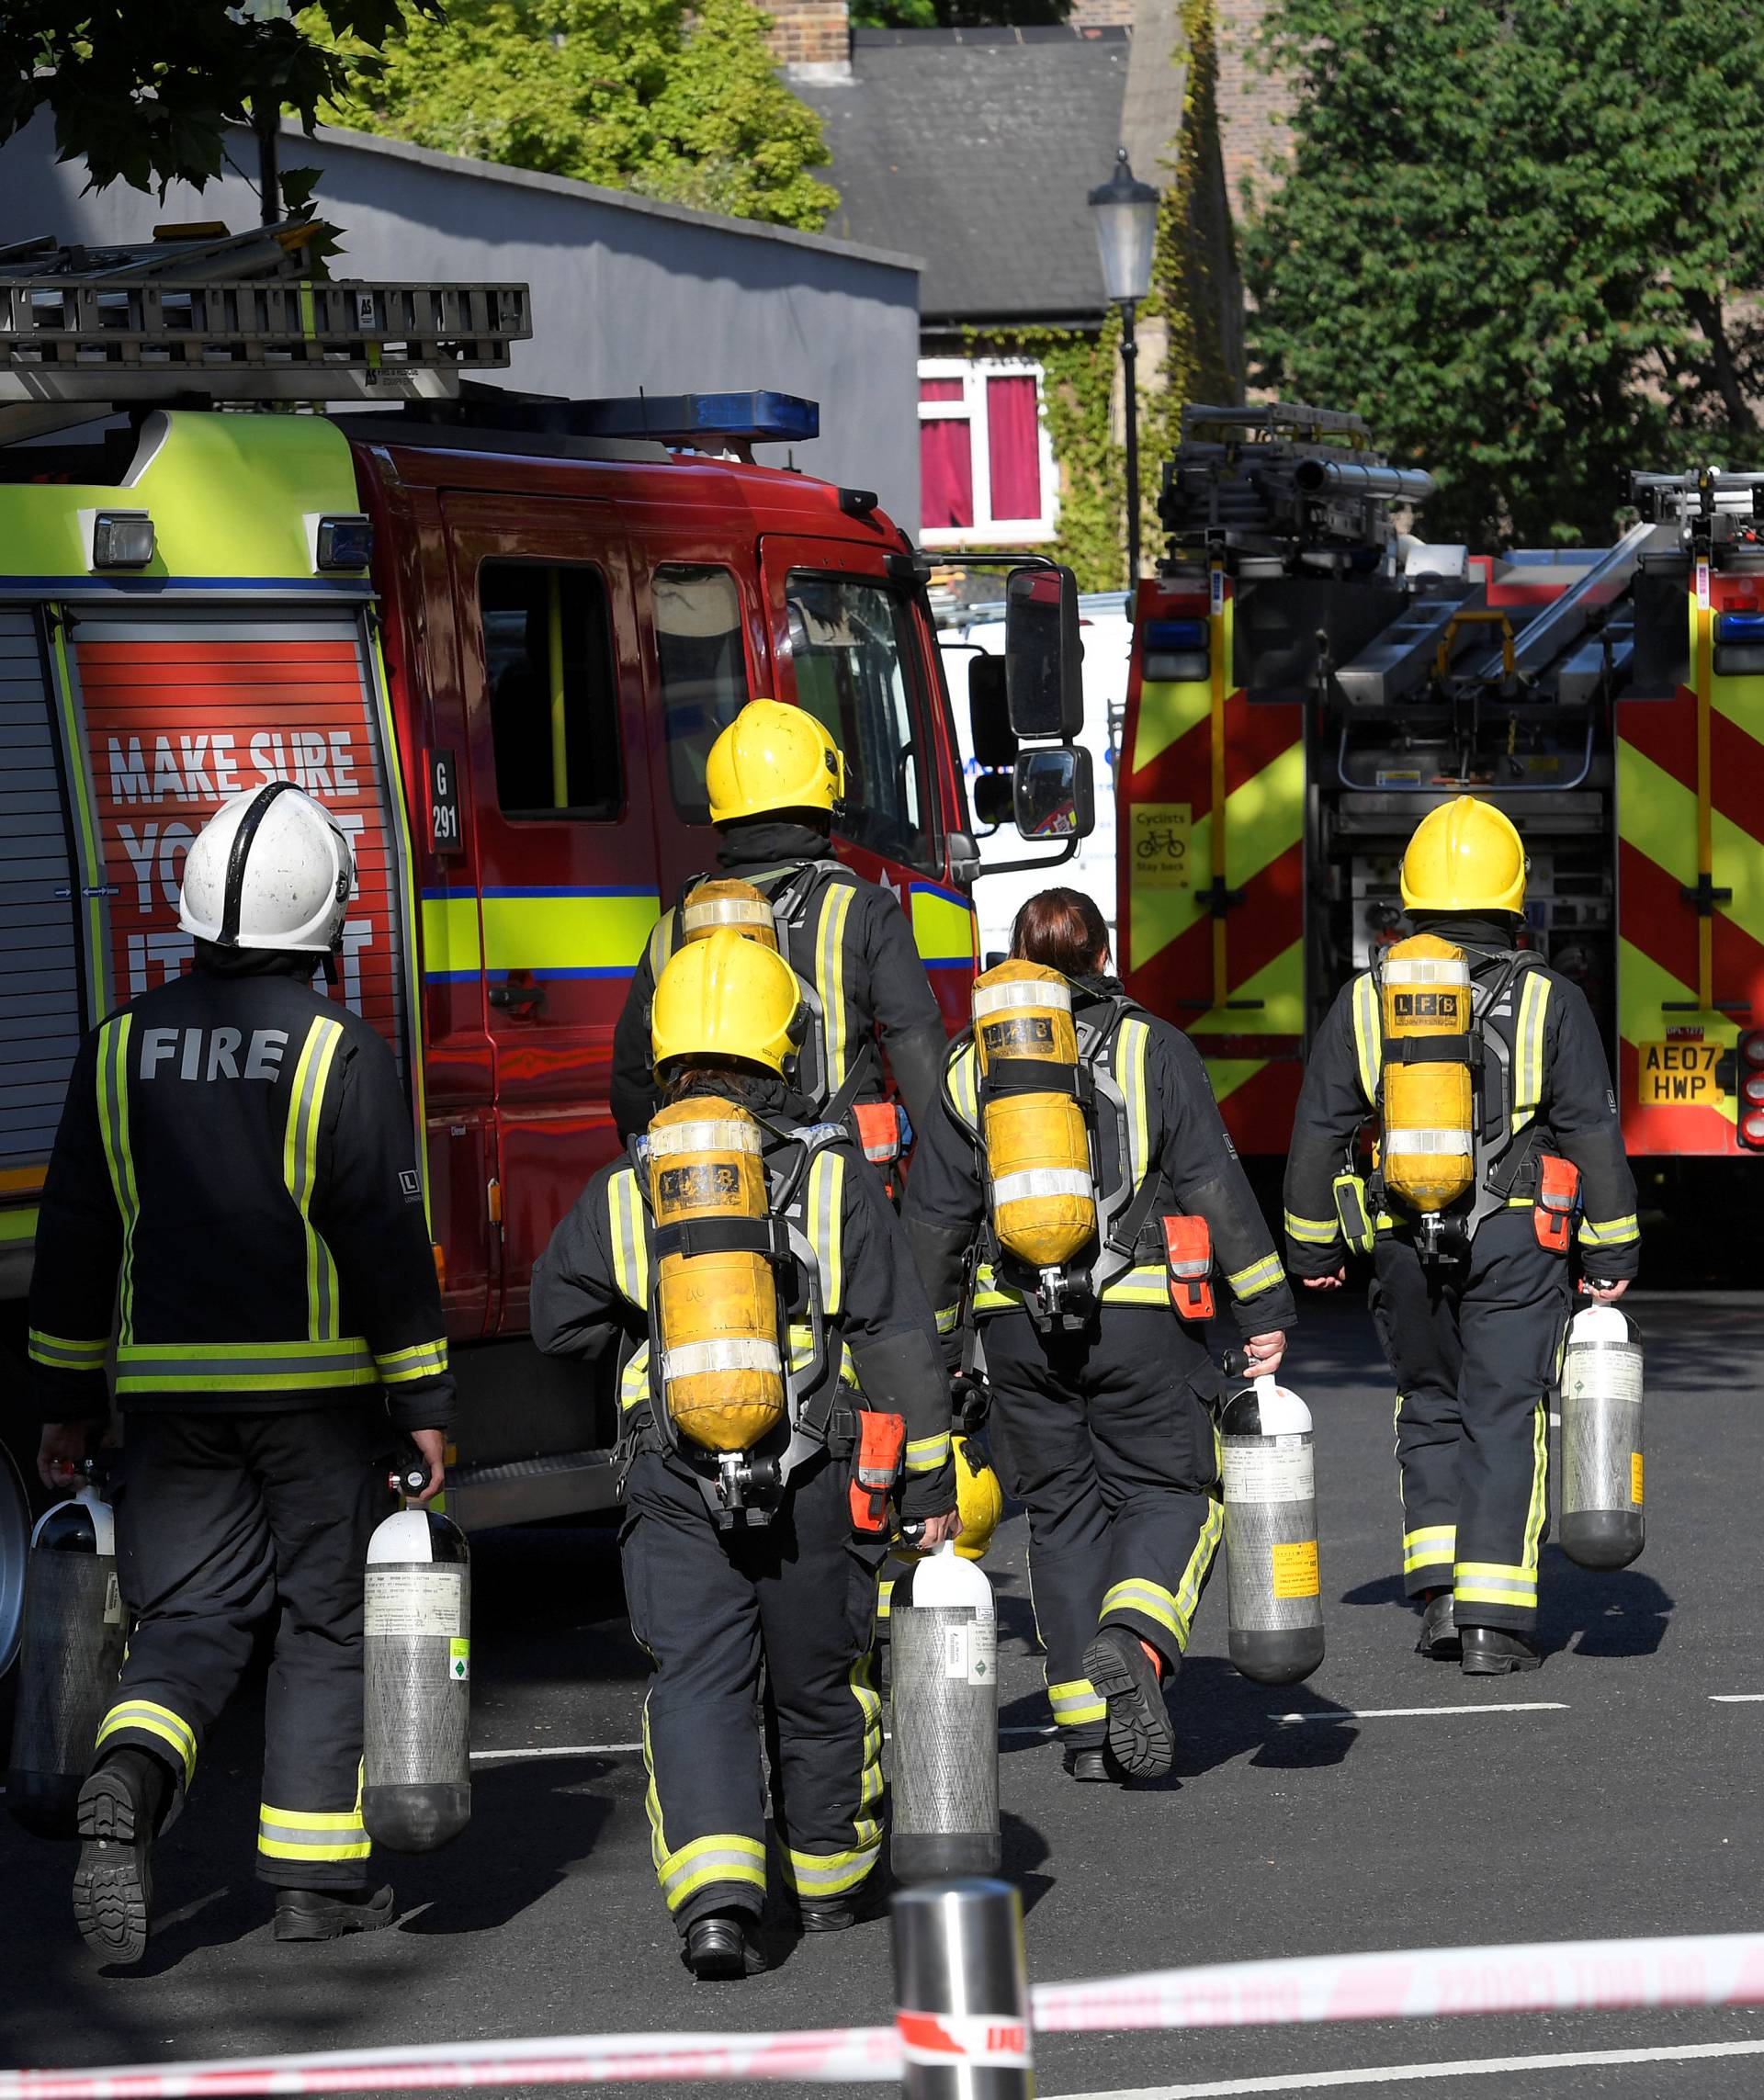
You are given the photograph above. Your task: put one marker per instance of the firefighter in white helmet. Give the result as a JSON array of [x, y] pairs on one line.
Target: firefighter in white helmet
[[236, 1173]]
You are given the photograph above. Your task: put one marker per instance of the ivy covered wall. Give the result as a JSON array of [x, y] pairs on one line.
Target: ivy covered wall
[[1196, 297]]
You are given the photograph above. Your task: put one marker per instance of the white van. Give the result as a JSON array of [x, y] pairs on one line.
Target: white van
[[1108, 635]]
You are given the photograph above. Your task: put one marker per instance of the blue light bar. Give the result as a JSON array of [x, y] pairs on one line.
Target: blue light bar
[[1739, 626], [1175, 634], [762, 417]]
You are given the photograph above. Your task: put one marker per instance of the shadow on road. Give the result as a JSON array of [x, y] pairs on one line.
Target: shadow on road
[[512, 1805]]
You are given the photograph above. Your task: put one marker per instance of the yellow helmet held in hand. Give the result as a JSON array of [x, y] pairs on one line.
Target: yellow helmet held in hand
[[980, 1502], [773, 757], [1465, 856], [727, 996]]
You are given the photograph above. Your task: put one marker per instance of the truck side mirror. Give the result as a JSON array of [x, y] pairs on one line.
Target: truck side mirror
[[988, 713], [1053, 793], [1043, 654]]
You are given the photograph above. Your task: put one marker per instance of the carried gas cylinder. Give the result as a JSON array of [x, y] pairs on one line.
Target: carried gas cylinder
[[1268, 1465], [69, 1661], [416, 1738], [712, 906], [1429, 1149], [943, 1670], [716, 1311], [1031, 1124], [1602, 1525]]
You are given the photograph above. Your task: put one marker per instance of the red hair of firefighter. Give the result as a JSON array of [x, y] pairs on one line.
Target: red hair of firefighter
[[1062, 930]]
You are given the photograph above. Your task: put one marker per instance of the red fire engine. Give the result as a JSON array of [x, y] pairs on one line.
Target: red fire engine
[[495, 635], [1307, 681]]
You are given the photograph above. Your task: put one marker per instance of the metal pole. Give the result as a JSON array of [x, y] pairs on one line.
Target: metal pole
[[1130, 372], [962, 1986]]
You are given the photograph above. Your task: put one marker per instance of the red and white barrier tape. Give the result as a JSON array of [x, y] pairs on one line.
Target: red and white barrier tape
[[1563, 1976], [1593, 1975]]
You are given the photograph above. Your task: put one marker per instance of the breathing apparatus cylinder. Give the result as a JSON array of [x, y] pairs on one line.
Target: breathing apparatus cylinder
[[1038, 1143], [715, 1313], [416, 1748], [712, 906], [68, 1660], [944, 1685], [1602, 1524], [1268, 1462], [1429, 1151]]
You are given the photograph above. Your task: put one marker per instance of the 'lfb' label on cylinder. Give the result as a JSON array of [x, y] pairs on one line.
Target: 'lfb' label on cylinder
[[1296, 1569], [1270, 1469], [410, 1603]]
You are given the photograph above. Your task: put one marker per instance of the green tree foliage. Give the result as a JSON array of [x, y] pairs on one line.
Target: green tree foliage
[[955, 14], [1524, 239], [678, 101], [144, 92]]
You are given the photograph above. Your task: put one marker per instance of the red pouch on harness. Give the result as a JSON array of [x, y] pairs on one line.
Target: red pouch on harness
[[1558, 1192], [875, 1466], [878, 1130], [1188, 1255]]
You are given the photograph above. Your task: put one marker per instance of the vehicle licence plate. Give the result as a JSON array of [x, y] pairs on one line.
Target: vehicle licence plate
[[1673, 1074]]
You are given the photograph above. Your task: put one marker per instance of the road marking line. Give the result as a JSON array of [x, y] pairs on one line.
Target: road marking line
[[557, 1750], [1468, 2066], [1737, 1698], [1415, 1712]]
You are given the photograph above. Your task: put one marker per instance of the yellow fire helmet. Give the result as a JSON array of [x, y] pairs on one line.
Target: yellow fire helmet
[[773, 757], [1465, 856], [727, 996], [980, 1502]]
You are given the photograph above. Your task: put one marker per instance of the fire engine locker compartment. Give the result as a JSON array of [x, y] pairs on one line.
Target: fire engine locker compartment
[[42, 1019]]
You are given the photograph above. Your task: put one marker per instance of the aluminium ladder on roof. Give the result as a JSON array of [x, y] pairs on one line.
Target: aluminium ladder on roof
[[110, 335]]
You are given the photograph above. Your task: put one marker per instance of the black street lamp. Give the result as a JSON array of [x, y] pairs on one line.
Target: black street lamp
[[1126, 230]]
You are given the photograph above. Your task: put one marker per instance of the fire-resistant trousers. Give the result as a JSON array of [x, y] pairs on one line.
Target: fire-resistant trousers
[[225, 1521], [760, 1638], [1474, 1347], [1103, 1437]]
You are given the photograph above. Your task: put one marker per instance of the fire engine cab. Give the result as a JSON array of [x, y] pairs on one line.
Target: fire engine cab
[[497, 635], [1308, 681]]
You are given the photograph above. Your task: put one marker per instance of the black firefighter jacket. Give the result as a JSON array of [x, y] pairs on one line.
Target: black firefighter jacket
[[1174, 1132], [591, 1288], [235, 1177], [1563, 1103], [858, 953]]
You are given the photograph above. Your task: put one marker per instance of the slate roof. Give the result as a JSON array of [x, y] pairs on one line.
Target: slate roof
[[977, 149]]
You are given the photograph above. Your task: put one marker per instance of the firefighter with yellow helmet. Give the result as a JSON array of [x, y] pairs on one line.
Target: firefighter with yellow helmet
[[1076, 1161], [1500, 1160], [772, 778], [782, 1399]]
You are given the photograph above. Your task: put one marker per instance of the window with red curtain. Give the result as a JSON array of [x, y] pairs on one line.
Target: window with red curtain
[[945, 462], [1013, 447]]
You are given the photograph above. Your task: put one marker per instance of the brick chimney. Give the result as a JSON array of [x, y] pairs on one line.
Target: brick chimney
[[811, 32]]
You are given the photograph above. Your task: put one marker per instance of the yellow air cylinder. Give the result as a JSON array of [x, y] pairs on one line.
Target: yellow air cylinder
[[716, 1315], [1429, 1151], [714, 905], [1037, 1146]]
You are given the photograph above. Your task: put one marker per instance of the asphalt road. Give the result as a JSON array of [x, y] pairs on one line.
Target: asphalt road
[[1626, 1807]]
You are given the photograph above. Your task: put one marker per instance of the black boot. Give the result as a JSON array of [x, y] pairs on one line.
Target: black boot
[[827, 1913], [1439, 1642], [1093, 1764], [720, 1948], [1123, 1674], [328, 1914], [1492, 1652], [121, 1806]]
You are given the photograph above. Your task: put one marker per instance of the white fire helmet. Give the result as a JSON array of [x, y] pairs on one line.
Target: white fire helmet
[[271, 868]]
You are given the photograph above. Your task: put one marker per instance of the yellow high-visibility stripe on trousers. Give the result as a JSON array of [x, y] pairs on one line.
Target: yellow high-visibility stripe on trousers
[[323, 1836], [147, 1717]]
